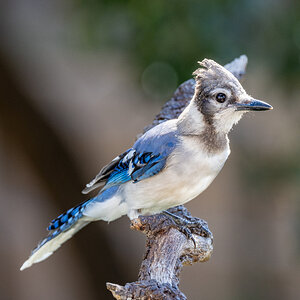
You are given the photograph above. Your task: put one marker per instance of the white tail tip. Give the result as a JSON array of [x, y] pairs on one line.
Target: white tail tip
[[45, 250], [33, 259], [26, 265]]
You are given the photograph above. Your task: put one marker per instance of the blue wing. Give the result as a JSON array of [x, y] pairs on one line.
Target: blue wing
[[147, 158], [130, 166], [138, 167]]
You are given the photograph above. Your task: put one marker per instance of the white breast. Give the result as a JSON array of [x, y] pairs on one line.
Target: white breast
[[189, 171]]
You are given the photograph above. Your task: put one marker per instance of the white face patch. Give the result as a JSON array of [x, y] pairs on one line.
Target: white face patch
[[225, 120]]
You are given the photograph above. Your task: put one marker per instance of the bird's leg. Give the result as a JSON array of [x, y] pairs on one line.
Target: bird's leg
[[182, 225], [188, 227]]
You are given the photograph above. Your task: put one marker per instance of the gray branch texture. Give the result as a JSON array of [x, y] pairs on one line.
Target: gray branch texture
[[167, 248]]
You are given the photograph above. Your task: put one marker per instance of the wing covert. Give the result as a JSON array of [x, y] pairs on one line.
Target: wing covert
[[104, 173], [129, 166]]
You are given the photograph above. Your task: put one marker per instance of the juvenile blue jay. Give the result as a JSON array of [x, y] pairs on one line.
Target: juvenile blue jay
[[169, 165]]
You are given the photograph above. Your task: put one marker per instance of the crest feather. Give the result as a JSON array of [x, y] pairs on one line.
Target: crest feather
[[211, 70], [206, 65]]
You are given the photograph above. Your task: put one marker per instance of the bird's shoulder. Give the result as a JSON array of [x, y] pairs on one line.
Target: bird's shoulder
[[160, 139]]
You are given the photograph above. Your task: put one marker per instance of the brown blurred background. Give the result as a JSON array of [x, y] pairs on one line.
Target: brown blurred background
[[80, 78]]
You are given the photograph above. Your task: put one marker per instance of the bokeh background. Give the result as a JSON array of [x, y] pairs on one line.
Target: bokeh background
[[79, 79]]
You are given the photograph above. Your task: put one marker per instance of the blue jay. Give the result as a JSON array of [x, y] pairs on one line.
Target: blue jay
[[169, 165]]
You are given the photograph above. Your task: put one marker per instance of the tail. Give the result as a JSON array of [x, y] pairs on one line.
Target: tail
[[61, 229]]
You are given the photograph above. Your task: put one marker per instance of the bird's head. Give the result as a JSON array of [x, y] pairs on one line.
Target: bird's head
[[220, 97]]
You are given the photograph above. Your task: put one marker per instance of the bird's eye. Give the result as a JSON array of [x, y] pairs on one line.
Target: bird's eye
[[221, 97]]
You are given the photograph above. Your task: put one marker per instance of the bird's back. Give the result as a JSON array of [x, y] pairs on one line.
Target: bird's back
[[161, 139]]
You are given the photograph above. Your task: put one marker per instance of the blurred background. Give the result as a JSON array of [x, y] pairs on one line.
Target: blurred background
[[79, 79]]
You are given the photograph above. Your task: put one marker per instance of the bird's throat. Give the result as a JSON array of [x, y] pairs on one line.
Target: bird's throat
[[213, 141], [196, 125]]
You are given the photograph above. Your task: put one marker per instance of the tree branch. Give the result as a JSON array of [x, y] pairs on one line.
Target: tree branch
[[167, 248]]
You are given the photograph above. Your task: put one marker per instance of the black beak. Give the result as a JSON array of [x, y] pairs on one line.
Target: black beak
[[253, 104]]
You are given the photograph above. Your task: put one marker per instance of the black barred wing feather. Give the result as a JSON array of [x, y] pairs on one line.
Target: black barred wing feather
[[129, 166], [104, 174]]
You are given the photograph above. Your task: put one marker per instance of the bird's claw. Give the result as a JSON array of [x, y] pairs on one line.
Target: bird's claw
[[188, 233], [190, 227], [204, 231]]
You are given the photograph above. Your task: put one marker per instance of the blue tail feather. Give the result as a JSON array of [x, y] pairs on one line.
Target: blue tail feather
[[64, 226], [73, 214], [62, 223]]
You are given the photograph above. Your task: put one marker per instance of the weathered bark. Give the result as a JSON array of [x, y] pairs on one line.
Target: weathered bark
[[167, 248]]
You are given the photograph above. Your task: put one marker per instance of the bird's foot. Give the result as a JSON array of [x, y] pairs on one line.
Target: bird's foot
[[190, 226]]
